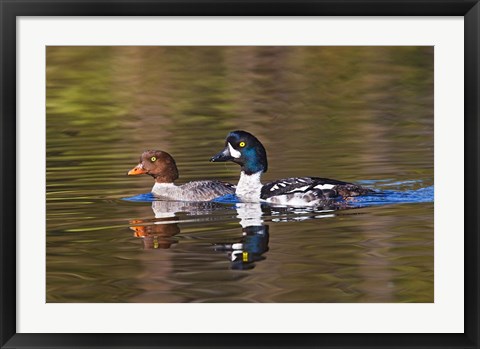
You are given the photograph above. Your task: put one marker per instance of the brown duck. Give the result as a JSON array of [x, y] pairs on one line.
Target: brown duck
[[162, 167]]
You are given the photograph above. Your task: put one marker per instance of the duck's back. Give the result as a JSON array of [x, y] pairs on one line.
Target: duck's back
[[309, 190], [206, 190]]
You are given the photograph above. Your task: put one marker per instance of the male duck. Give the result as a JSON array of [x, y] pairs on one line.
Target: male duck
[[161, 166], [246, 150]]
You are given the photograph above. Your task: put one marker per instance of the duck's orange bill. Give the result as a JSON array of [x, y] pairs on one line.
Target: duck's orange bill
[[137, 170]]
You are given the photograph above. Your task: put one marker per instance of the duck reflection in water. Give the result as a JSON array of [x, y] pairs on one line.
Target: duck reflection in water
[[160, 232], [254, 242], [159, 235]]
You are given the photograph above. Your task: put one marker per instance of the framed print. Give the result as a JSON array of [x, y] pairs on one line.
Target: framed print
[[344, 210]]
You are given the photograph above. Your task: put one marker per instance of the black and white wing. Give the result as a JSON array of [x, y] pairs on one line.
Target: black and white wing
[[309, 191], [324, 187], [300, 191], [344, 189]]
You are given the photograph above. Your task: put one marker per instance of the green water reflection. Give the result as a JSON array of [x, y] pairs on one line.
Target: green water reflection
[[350, 113]]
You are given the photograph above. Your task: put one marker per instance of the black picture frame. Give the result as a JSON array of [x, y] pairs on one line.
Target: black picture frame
[[10, 10]]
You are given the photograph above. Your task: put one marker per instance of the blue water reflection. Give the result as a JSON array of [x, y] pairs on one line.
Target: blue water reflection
[[382, 196]]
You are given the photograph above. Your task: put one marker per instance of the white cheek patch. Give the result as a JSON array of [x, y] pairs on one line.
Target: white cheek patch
[[234, 153]]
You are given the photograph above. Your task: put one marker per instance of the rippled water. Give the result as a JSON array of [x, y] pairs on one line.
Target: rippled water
[[360, 114]]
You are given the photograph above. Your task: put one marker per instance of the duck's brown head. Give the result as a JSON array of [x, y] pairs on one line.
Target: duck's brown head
[[158, 164]]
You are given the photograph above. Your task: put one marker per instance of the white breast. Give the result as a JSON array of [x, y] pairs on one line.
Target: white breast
[[249, 187], [166, 190]]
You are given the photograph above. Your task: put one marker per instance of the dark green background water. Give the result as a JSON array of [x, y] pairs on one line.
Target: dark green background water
[[361, 114]]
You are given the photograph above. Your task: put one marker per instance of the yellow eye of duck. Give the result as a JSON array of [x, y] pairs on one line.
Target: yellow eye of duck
[[153, 158], [242, 144]]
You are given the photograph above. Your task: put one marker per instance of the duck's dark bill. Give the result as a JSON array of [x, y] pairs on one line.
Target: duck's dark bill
[[137, 170], [224, 155]]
